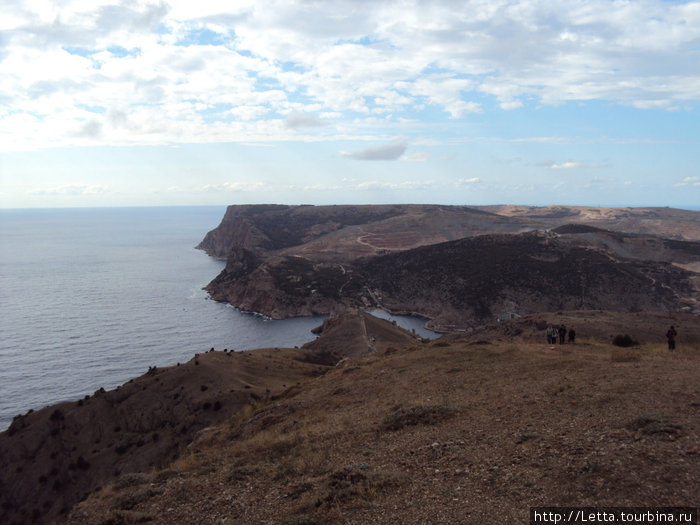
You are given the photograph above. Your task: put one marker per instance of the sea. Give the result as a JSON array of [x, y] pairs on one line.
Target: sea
[[92, 297]]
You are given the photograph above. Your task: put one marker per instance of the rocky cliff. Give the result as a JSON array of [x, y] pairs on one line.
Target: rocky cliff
[[446, 263], [331, 233]]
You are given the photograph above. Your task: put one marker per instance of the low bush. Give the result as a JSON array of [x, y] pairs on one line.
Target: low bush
[[654, 424], [416, 415], [625, 341]]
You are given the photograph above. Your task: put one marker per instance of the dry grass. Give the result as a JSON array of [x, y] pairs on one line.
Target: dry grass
[[445, 433], [415, 415], [619, 355]]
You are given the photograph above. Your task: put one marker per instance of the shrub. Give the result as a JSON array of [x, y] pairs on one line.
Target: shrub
[[654, 424], [131, 479], [624, 341], [358, 481], [415, 415], [129, 500], [300, 519]]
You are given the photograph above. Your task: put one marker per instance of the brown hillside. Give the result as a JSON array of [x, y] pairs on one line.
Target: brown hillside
[[661, 222], [55, 456], [454, 431]]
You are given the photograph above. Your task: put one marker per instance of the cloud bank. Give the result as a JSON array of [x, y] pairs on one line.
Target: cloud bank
[[142, 72]]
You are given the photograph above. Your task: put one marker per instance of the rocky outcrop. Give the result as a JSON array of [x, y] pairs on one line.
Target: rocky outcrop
[[279, 287], [242, 227], [353, 333]]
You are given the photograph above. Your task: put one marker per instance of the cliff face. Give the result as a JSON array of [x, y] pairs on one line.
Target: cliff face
[[437, 262], [266, 228]]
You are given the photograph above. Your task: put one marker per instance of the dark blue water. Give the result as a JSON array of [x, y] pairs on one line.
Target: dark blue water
[[90, 298]]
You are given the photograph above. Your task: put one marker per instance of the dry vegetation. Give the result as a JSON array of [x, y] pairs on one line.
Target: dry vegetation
[[458, 431]]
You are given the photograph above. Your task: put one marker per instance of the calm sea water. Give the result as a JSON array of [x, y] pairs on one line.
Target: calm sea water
[[90, 298]]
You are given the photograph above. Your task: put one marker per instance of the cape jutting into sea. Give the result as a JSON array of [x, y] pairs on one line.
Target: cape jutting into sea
[[92, 297]]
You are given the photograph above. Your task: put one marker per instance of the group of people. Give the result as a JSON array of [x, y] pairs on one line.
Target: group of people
[[559, 333]]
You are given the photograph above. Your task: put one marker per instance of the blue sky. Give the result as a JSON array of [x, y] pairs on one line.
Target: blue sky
[[576, 102]]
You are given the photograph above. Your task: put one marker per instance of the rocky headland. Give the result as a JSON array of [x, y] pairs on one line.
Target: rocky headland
[[461, 267]]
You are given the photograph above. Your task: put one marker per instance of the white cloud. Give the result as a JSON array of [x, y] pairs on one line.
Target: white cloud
[[70, 189], [689, 181], [299, 119], [418, 156], [234, 186], [381, 185], [389, 151], [351, 185], [215, 71], [543, 140], [511, 104], [566, 165], [468, 183]]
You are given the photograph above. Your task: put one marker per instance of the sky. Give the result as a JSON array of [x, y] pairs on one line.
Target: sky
[[213, 102]]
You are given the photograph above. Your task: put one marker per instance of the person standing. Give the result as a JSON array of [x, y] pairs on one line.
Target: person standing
[[671, 337], [550, 331], [562, 334], [572, 335]]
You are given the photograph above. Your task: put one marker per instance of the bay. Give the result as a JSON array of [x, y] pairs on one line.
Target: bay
[[90, 298]]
